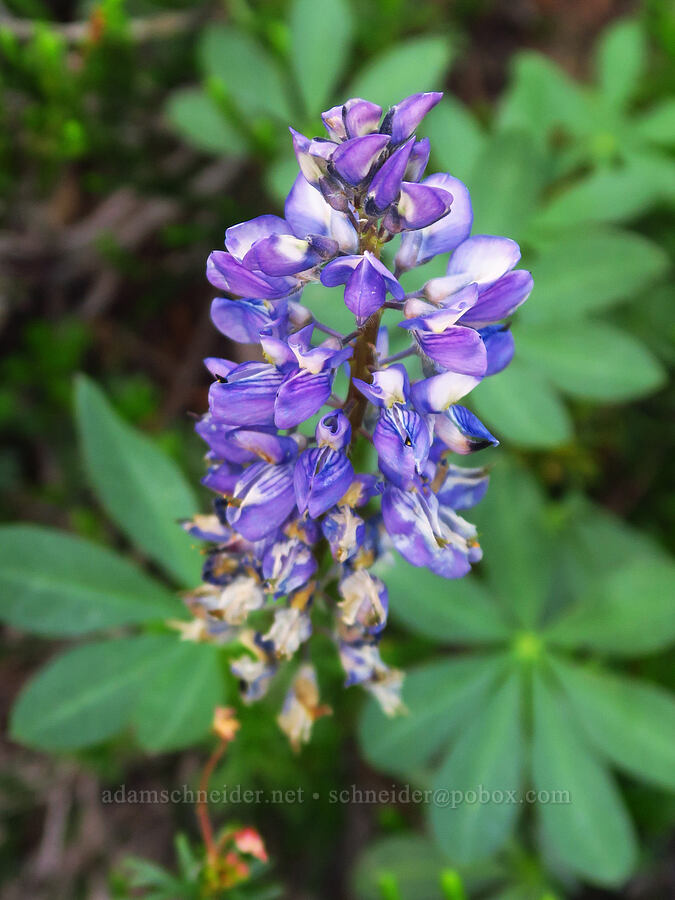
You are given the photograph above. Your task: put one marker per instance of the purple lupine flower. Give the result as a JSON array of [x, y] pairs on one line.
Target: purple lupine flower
[[295, 523]]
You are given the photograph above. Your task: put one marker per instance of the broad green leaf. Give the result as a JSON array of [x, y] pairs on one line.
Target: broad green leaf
[[595, 543], [454, 611], [605, 541], [657, 124], [620, 60], [439, 696], [614, 195], [583, 273], [630, 722], [487, 760], [541, 96], [140, 487], [521, 408], [456, 137], [591, 832], [418, 64], [517, 545], [175, 706], [590, 360], [248, 73], [86, 695], [628, 612], [56, 583], [197, 118], [320, 41], [506, 184]]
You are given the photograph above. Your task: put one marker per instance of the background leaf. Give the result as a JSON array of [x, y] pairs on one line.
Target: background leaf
[[521, 408], [418, 64], [506, 183], [199, 120], [56, 583], [615, 195], [591, 360], [591, 834], [587, 272], [439, 697], [657, 124], [447, 611], [539, 96], [630, 722], [628, 612], [249, 74], [140, 487], [456, 138], [487, 756], [86, 695], [320, 39], [412, 860], [175, 707], [517, 546], [620, 59]]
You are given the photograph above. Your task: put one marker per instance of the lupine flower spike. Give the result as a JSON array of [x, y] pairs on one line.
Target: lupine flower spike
[[360, 214]]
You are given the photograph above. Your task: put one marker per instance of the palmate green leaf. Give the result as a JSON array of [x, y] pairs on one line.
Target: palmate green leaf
[[487, 756], [630, 722], [520, 407], [591, 360], [583, 273], [446, 610], [165, 688], [440, 696], [418, 64], [592, 833], [175, 706], [140, 487], [506, 184], [657, 124], [197, 118], [620, 60], [628, 612], [541, 96], [56, 583], [249, 75], [606, 542], [518, 547], [320, 40], [456, 138], [86, 695], [614, 195]]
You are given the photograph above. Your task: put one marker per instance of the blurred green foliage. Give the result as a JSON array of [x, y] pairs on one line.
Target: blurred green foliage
[[549, 669]]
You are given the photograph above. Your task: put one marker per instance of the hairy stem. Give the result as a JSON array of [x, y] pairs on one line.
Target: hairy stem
[[361, 361]]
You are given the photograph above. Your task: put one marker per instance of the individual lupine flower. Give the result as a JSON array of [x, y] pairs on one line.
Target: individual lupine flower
[[323, 474], [285, 499], [363, 665], [301, 707], [291, 627], [231, 603], [364, 601], [367, 282], [287, 565], [255, 671], [344, 530]]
